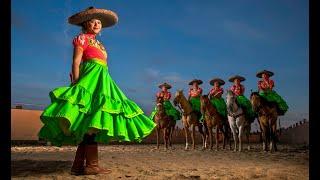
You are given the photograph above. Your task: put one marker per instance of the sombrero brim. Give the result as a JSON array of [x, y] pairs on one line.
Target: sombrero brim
[[259, 74], [108, 18], [168, 86], [237, 77], [220, 81], [198, 81]]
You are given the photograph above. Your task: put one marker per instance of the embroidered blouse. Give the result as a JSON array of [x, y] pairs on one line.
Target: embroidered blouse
[[216, 92], [92, 48], [266, 84], [165, 95], [195, 92], [237, 89]]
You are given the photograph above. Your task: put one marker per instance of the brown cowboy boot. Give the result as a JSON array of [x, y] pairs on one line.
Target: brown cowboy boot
[[78, 163], [92, 166]]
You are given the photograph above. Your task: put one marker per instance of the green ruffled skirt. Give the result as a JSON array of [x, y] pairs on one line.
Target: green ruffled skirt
[[273, 96], [247, 107], [95, 101], [195, 103], [170, 110], [220, 105]]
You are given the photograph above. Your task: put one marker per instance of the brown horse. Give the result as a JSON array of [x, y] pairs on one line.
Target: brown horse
[[164, 122], [267, 118], [189, 118], [213, 119]]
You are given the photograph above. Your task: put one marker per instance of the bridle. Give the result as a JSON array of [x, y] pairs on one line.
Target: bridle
[[235, 116]]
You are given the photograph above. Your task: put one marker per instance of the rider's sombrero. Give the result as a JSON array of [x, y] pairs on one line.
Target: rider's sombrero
[[220, 81], [168, 86], [198, 81], [108, 18], [259, 74], [237, 77]]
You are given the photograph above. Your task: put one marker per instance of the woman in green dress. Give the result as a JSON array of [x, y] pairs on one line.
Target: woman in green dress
[[93, 109], [238, 89], [194, 96], [169, 109], [215, 96], [266, 91]]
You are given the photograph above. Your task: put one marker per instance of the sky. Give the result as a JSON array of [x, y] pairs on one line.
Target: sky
[[170, 41]]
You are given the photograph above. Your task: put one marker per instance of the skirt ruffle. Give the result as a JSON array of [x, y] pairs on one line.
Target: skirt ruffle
[[274, 97], [247, 107], [94, 102], [220, 105], [195, 103]]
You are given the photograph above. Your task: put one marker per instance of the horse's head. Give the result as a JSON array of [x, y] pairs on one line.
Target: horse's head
[[255, 101], [177, 97], [230, 98], [159, 102]]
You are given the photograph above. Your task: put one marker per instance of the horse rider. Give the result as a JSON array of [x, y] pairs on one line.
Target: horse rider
[[194, 96], [238, 89], [215, 96], [169, 109], [265, 86]]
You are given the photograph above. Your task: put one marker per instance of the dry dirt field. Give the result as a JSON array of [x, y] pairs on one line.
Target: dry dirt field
[[146, 162]]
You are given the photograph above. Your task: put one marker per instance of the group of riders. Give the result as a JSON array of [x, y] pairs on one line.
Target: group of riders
[[265, 86]]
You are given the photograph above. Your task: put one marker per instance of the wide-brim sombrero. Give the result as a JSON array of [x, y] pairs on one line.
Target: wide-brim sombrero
[[220, 81], [198, 81], [259, 74], [237, 77], [168, 86], [108, 18]]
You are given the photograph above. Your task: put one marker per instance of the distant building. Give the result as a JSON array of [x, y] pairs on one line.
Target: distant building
[[19, 107]]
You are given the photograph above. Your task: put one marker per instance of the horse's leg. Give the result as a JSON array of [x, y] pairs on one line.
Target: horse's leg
[[203, 135], [228, 132], [233, 130], [217, 137], [273, 131], [165, 138], [210, 137], [223, 136], [206, 136], [276, 137], [192, 136], [186, 131], [158, 132], [264, 134], [170, 136], [248, 135], [239, 136]]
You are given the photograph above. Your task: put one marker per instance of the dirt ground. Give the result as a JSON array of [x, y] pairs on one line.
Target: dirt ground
[[146, 162]]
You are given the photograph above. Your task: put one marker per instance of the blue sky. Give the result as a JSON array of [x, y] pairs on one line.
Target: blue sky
[[167, 40]]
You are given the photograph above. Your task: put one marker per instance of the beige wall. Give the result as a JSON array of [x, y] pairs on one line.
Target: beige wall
[[25, 124]]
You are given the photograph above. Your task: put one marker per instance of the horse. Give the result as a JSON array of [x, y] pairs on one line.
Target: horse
[[213, 119], [237, 120], [267, 118], [163, 122], [189, 118]]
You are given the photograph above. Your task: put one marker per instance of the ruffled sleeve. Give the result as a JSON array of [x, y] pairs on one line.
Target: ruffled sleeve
[[80, 41]]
